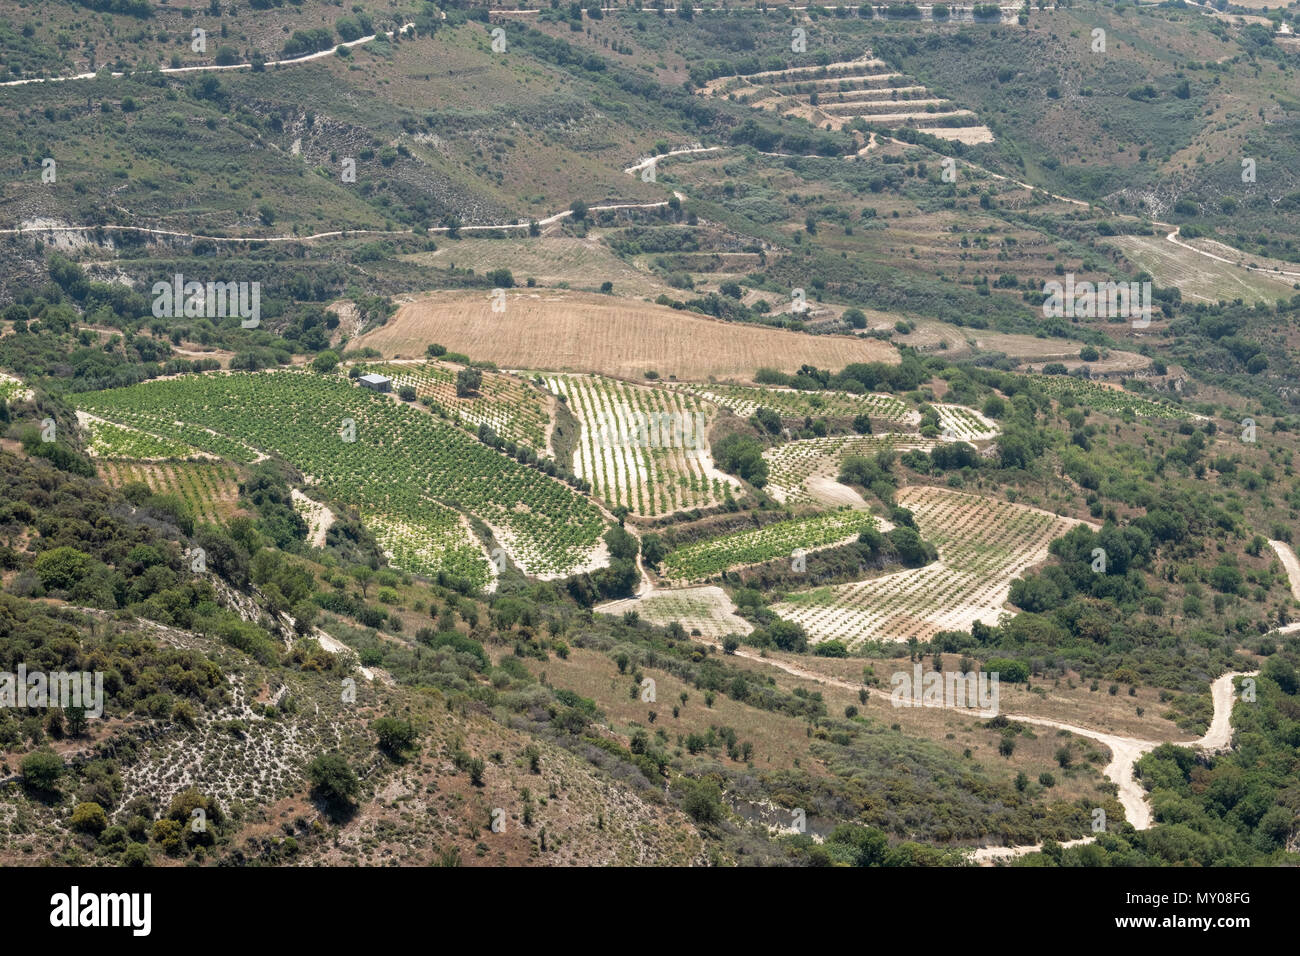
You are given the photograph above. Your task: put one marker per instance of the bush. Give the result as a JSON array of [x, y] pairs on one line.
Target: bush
[[702, 801], [88, 818], [325, 362], [1013, 672], [137, 854], [41, 770]]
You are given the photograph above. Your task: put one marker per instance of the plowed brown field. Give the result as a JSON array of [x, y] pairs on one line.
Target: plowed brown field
[[568, 331]]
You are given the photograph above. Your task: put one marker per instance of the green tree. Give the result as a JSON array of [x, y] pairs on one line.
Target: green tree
[[396, 737], [41, 770], [332, 780], [468, 382], [62, 567]]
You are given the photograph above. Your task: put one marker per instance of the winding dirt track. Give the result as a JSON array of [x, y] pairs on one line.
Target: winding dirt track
[[213, 68], [1125, 751]]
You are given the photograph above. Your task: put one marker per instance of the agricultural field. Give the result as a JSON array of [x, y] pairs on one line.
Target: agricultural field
[[402, 466], [645, 449], [838, 94], [118, 441], [514, 409], [704, 559], [12, 388], [1112, 401], [577, 332], [707, 610], [796, 468], [983, 545], [209, 489], [744, 400], [959, 423], [1201, 278], [553, 261]]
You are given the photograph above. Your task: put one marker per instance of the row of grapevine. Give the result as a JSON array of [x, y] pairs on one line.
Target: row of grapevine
[[704, 559], [642, 448], [209, 489], [744, 400], [512, 408], [983, 545], [394, 463]]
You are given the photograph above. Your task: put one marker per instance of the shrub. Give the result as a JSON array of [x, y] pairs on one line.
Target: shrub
[[88, 818]]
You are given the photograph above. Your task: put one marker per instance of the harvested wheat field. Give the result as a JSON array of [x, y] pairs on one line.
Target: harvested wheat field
[[983, 546], [578, 332]]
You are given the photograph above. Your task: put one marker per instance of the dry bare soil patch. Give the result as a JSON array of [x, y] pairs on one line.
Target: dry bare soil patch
[[595, 333]]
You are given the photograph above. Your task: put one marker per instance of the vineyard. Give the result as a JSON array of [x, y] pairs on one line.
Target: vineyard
[[959, 423], [117, 441], [512, 408], [209, 489], [1112, 401], [703, 559], [643, 448], [402, 469], [705, 609], [983, 545], [792, 465], [744, 400]]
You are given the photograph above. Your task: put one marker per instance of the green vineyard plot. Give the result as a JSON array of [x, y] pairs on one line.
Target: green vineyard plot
[[648, 476], [512, 408], [117, 441], [707, 558], [209, 489], [983, 545], [744, 400], [1110, 400], [405, 468], [957, 422]]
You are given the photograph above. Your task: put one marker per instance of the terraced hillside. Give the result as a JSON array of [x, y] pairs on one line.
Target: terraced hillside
[[401, 467], [209, 489], [866, 89], [983, 545]]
